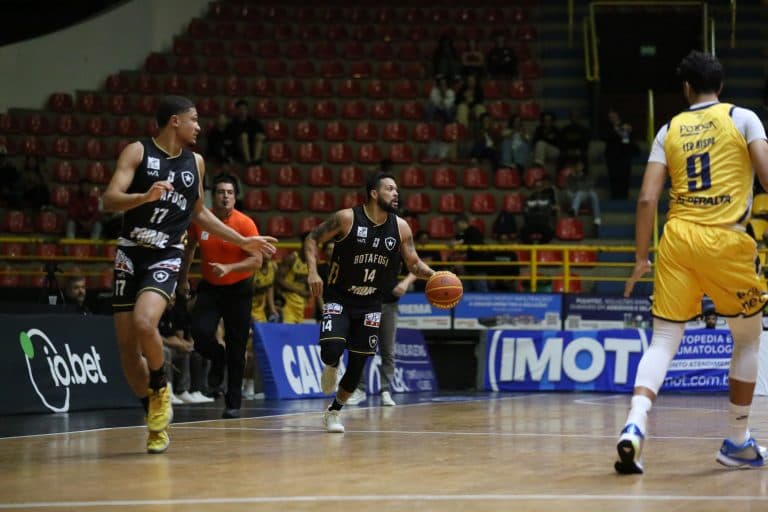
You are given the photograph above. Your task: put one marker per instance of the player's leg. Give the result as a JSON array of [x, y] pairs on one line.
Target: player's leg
[[205, 317], [387, 332], [237, 319], [334, 329], [133, 362]]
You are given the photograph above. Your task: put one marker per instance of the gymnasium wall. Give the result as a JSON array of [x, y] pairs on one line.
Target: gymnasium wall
[[81, 56]]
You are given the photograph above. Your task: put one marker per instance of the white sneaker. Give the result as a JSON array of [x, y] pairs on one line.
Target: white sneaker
[[332, 422], [356, 397], [248, 389], [386, 399], [328, 379], [176, 400], [187, 398], [200, 398]]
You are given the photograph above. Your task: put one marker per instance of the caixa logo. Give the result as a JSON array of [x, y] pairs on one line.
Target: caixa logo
[[52, 373]]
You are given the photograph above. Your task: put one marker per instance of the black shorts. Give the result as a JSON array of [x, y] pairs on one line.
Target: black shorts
[[358, 327], [138, 269]]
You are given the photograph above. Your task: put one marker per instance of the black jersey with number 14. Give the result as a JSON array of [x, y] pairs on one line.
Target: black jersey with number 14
[[365, 261], [163, 223]]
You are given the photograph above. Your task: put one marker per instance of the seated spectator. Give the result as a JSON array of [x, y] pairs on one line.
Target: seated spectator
[[472, 59], [540, 214], [546, 142], [247, 135], [484, 143], [84, 217], [9, 180], [501, 61], [445, 60], [220, 147], [469, 101], [35, 192], [442, 102], [467, 234], [574, 141], [515, 148], [75, 294], [580, 186]]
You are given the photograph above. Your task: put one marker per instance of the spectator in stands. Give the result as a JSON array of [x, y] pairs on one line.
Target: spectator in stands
[[75, 294], [501, 60], [247, 134], [9, 180], [469, 101], [220, 148], [619, 150], [580, 186], [710, 318], [34, 184], [540, 213], [442, 102], [467, 234], [484, 142], [84, 217], [427, 256], [445, 60], [291, 280], [515, 148], [546, 142], [574, 141], [472, 59]]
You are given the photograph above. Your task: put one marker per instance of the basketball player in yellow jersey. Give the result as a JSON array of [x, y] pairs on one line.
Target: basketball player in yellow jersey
[[263, 303], [708, 152], [292, 279]]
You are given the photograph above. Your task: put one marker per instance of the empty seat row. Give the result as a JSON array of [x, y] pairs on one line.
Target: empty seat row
[[65, 147]]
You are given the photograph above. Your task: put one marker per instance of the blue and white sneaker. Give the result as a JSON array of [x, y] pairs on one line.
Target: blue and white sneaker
[[629, 447], [749, 453]]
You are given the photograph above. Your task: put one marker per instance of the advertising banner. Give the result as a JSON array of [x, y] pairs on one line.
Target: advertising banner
[[594, 312], [508, 311], [60, 363], [415, 312], [600, 360], [289, 358]]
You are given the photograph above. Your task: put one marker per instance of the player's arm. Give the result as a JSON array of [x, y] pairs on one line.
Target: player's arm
[[205, 218], [408, 250], [337, 225], [758, 153], [248, 264], [404, 284], [647, 205], [116, 198]]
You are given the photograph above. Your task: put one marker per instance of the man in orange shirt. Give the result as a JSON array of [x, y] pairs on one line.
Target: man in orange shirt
[[224, 293]]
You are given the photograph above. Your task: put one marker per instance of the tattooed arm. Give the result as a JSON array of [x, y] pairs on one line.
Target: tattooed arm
[[408, 251], [335, 226]]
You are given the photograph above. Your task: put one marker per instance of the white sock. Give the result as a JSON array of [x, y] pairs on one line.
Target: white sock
[[738, 422], [638, 413]]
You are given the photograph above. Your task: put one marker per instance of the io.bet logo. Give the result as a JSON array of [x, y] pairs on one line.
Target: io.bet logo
[[52, 374]]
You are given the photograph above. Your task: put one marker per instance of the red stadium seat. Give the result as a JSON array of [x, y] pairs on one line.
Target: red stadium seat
[[569, 228], [584, 258], [492, 90], [479, 223], [205, 85], [18, 222], [529, 110], [264, 87], [33, 146], [369, 154], [558, 285], [324, 50], [276, 130], [513, 203], [353, 50], [361, 69], [418, 202], [475, 177], [146, 84], [120, 105], [309, 223], [389, 70], [292, 88], [506, 178], [117, 83], [310, 153], [279, 153], [246, 66], [333, 69], [454, 132], [423, 132], [321, 201], [444, 177], [47, 250], [351, 176], [321, 88], [406, 90], [257, 200], [451, 202], [241, 48], [175, 84], [12, 249], [37, 124], [382, 110], [482, 203], [233, 85], [377, 89], [198, 28], [412, 111], [400, 153], [186, 65], [295, 50], [349, 88], [339, 153], [288, 176], [381, 51], [65, 172], [147, 105], [61, 102], [549, 256], [256, 176], [533, 175], [324, 109], [289, 201], [320, 176], [521, 90], [355, 109], [60, 196], [67, 124], [213, 48], [275, 67], [408, 51], [351, 199], [65, 148], [266, 108], [98, 127], [529, 70], [440, 228], [280, 226], [335, 132], [365, 131], [395, 132], [90, 103], [413, 222], [412, 177], [306, 131], [98, 173], [9, 277], [499, 110]]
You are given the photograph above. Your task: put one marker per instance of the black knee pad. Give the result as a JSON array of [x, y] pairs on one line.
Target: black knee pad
[[331, 350], [355, 367]]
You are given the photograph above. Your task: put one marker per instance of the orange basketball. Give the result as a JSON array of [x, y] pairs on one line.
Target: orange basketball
[[444, 290]]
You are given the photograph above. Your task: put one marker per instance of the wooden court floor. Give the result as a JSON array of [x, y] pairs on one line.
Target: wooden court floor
[[527, 452]]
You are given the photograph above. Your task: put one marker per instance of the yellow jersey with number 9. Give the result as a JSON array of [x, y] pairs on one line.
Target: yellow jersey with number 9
[[709, 167]]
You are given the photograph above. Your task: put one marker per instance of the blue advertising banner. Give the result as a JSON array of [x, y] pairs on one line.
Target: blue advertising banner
[[600, 360], [414, 311], [595, 312], [508, 311], [289, 358]]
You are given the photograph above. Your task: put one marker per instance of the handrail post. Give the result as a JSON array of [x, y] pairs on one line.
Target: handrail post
[[567, 270], [534, 269]]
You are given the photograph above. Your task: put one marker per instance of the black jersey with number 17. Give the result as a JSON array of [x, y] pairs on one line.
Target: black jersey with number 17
[[163, 223], [365, 261]]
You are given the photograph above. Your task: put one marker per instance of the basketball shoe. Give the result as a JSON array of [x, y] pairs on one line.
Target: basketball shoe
[[629, 447], [160, 410], [356, 397], [332, 422], [386, 399], [328, 379], [157, 442], [748, 453]]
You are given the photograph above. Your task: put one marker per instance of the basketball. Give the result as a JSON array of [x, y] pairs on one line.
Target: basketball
[[444, 290]]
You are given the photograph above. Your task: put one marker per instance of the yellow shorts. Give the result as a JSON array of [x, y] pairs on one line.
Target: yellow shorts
[[259, 307], [694, 260], [293, 311]]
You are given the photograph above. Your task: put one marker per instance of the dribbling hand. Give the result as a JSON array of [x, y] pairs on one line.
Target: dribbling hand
[[262, 244], [157, 190], [641, 268], [315, 283]]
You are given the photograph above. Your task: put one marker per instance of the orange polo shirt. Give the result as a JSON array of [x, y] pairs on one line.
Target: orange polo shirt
[[215, 250]]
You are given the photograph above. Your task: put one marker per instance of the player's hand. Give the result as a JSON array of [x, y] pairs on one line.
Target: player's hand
[[641, 268], [220, 269], [400, 289], [315, 284], [157, 190], [184, 288], [262, 244]]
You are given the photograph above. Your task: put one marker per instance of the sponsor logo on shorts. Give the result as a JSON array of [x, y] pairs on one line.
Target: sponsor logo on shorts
[[188, 178], [373, 340], [372, 319], [390, 243], [173, 264], [332, 308], [123, 263], [160, 276]]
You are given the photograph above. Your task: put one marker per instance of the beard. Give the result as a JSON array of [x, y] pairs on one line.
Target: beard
[[387, 207]]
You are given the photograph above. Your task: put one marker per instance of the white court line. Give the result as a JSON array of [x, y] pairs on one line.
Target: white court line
[[385, 497], [594, 401], [269, 416]]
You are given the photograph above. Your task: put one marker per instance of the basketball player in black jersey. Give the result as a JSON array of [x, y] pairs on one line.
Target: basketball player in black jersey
[[158, 185], [369, 242]]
